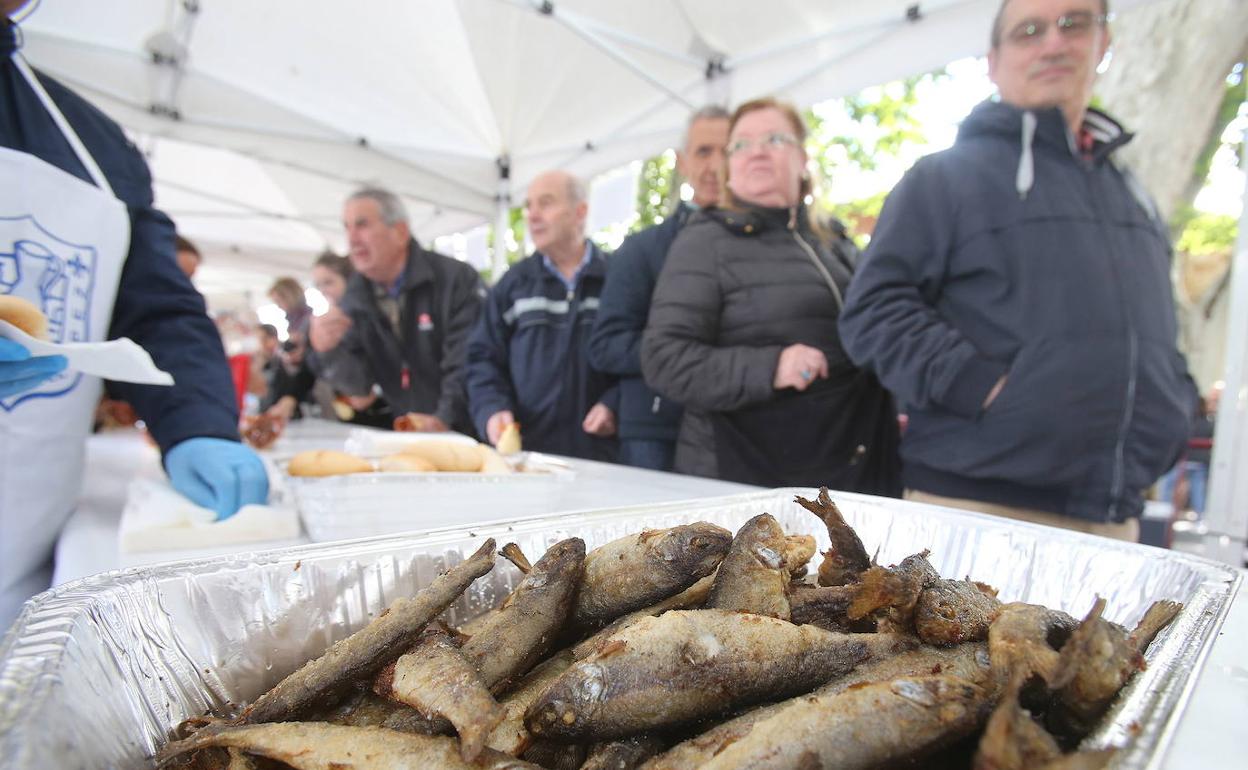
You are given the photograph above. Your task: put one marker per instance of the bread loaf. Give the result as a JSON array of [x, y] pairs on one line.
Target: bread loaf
[[492, 461], [24, 316], [447, 455], [509, 441], [325, 462], [405, 463]]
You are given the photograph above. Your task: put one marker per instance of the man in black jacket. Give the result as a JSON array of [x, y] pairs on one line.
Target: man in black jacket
[[1016, 298], [648, 423], [404, 320]]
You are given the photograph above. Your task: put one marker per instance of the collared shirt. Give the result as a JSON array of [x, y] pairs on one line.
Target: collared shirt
[[569, 283], [390, 301]]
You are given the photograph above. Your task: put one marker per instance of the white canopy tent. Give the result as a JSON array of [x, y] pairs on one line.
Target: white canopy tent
[[258, 118]]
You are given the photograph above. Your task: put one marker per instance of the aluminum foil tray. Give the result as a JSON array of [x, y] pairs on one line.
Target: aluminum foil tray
[[96, 672], [368, 504]]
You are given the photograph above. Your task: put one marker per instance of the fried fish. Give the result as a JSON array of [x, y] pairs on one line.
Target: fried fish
[[1097, 661], [526, 625], [365, 652], [847, 558], [865, 726], [321, 746], [438, 681], [955, 611], [688, 664], [638, 570], [753, 576]]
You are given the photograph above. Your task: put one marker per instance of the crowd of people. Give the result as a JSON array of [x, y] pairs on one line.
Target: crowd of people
[[1014, 303]]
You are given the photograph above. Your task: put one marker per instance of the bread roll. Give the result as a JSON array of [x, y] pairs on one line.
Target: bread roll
[[447, 455], [343, 410], [326, 462], [509, 441], [24, 316], [492, 461], [405, 463]]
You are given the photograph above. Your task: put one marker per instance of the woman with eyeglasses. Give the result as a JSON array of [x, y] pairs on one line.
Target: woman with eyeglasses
[[743, 330], [330, 274]]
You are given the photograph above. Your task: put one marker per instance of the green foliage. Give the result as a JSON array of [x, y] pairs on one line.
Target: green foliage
[[658, 190], [859, 216], [1233, 100], [1208, 234], [886, 127], [1236, 94], [885, 113], [513, 240], [886, 119]]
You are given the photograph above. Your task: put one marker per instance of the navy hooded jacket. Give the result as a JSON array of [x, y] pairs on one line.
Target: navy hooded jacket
[[156, 304], [615, 347], [1013, 254]]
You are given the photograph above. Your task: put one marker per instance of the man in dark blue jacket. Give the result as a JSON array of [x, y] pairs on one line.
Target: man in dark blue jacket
[[648, 422], [80, 239], [528, 356], [1016, 298]]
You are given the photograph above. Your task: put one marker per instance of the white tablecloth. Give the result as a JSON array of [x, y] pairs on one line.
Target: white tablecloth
[[89, 544]]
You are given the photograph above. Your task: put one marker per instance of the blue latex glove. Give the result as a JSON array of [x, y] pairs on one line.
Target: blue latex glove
[[19, 371], [217, 474]]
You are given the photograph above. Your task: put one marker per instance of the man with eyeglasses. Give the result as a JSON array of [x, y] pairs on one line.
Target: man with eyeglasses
[[648, 422], [1016, 298]]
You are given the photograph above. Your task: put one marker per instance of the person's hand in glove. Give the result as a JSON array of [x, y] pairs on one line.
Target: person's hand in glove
[[217, 474], [20, 371]]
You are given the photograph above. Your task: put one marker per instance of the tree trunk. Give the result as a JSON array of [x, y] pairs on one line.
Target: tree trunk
[[1166, 81]]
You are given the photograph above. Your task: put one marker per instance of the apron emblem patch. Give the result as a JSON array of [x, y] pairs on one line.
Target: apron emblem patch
[[59, 278]]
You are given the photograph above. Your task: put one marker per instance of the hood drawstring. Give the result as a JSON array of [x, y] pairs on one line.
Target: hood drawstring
[[1026, 176]]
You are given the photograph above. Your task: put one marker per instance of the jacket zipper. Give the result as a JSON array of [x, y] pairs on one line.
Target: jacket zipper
[[1118, 480], [654, 408], [814, 258], [1127, 412]]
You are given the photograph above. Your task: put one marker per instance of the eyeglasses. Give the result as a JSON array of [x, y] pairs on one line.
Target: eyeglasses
[[772, 141], [1075, 24]]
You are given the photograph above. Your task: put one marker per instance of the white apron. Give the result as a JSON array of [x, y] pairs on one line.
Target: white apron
[[62, 245]]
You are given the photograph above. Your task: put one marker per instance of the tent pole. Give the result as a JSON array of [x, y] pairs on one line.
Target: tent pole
[[502, 219], [1226, 515]]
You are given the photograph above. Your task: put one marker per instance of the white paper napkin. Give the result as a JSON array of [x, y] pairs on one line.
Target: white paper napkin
[[157, 518], [120, 360]]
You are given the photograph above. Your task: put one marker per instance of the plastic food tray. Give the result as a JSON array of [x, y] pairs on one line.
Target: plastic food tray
[[95, 673]]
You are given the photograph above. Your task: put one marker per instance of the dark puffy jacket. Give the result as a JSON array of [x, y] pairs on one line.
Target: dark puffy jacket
[[529, 354], [738, 288], [441, 300], [1011, 254], [615, 347], [156, 304]]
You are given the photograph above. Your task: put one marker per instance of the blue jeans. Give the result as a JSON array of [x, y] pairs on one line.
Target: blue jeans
[[648, 453], [1197, 475]]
